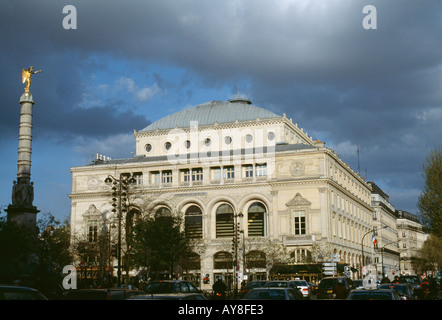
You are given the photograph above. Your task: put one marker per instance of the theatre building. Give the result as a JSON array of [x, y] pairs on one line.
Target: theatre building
[[232, 168]]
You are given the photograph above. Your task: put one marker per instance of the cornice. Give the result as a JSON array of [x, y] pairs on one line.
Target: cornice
[[216, 126]]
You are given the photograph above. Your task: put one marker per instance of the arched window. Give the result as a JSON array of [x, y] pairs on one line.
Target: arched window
[[162, 212], [224, 221], [301, 255], [191, 261], [193, 222], [131, 218], [256, 218], [255, 259], [223, 260]]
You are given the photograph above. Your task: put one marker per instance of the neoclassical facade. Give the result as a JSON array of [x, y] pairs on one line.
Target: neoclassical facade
[[227, 164]]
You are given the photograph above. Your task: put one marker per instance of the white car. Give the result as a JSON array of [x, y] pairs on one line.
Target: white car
[[304, 287]]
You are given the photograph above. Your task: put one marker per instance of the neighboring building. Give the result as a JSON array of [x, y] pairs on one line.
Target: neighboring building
[[385, 233], [411, 238], [229, 161]]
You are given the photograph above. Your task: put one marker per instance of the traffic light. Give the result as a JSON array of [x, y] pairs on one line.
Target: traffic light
[[114, 251]]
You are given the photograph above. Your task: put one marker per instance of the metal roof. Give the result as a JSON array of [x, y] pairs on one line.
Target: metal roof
[[213, 112]]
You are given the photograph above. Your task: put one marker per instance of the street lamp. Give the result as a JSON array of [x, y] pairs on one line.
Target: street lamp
[[235, 248], [362, 245], [382, 254], [119, 200]]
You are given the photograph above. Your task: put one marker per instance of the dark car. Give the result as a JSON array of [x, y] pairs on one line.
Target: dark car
[[252, 285], [374, 294], [87, 294], [101, 294], [123, 294], [169, 296], [171, 286], [10, 292], [415, 281], [404, 290], [334, 288], [272, 293], [285, 284]]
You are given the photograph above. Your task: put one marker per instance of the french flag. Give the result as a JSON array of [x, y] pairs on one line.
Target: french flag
[[373, 239]]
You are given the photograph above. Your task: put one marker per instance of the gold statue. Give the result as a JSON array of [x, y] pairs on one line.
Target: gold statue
[[26, 77]]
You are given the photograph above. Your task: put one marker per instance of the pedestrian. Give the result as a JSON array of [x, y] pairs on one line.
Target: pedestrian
[[219, 289], [340, 290]]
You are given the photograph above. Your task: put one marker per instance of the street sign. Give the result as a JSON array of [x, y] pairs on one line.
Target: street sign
[[329, 264], [329, 268]]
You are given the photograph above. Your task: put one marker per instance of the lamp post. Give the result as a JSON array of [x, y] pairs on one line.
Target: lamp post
[[119, 200], [235, 249], [382, 254], [362, 245]]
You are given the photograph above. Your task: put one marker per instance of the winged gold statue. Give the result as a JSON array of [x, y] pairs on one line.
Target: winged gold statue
[[26, 75]]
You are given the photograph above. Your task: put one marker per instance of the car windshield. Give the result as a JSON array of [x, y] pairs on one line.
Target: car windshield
[[412, 280], [357, 282], [266, 295], [400, 289], [15, 295], [159, 287], [255, 284], [328, 283], [371, 296], [301, 283], [276, 284]]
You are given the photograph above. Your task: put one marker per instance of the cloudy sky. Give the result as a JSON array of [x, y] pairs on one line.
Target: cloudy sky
[[129, 63]]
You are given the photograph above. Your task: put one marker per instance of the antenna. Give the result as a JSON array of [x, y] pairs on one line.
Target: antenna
[[359, 165]]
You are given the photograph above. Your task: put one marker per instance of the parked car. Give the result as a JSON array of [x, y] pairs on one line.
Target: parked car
[[416, 282], [169, 296], [334, 288], [171, 286], [272, 293], [102, 294], [304, 287], [404, 290], [358, 284], [11, 292], [87, 294], [285, 284], [123, 294], [313, 287], [251, 285], [373, 294]]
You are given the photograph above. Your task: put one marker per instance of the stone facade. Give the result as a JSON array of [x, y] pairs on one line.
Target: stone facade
[[279, 184]]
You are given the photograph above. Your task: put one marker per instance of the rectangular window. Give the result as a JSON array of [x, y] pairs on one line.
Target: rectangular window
[[93, 231], [138, 176], [167, 176], [215, 174], [299, 222], [261, 170], [185, 175], [229, 173], [248, 171], [197, 174], [155, 177]]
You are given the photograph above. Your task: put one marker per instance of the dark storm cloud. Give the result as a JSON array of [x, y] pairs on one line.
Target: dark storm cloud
[[313, 60]]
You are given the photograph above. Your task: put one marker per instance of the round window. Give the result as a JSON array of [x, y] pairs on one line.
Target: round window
[[148, 147], [249, 138], [207, 142], [167, 145], [271, 136], [187, 144], [228, 140]]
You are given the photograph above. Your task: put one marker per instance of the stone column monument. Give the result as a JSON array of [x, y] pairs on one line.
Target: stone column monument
[[22, 211]]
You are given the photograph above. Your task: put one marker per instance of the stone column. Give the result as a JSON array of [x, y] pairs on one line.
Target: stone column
[[22, 210]]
